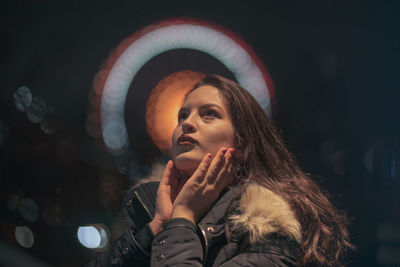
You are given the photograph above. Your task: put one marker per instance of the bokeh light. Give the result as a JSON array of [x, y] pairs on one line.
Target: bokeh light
[[164, 103], [51, 214], [391, 163], [93, 236], [22, 98], [327, 150], [388, 255], [369, 159], [48, 124], [28, 209], [37, 110], [92, 124], [24, 236], [339, 162]]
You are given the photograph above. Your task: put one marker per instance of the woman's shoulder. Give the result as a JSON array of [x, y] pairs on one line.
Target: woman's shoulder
[[264, 223], [139, 204], [261, 213], [140, 198]]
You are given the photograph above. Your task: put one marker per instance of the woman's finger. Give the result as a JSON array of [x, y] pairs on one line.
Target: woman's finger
[[201, 170], [225, 176], [174, 176], [167, 173], [216, 165]]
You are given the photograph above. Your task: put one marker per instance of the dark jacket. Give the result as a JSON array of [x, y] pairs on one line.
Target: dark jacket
[[264, 232]]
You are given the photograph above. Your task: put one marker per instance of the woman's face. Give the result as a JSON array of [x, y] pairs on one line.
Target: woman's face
[[204, 126]]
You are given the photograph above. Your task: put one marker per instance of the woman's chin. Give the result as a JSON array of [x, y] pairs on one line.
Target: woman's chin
[[187, 165]]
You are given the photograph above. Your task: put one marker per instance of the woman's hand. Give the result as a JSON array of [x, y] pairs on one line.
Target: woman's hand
[[166, 194], [204, 187]]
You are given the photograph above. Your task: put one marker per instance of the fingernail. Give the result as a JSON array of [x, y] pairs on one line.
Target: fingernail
[[224, 150]]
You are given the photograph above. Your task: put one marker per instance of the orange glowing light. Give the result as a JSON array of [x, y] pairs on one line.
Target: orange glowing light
[[163, 105]]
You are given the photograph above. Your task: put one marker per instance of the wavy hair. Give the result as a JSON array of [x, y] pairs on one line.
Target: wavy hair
[[266, 161]]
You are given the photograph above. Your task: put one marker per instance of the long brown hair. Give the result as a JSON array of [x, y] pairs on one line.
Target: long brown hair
[[267, 162]]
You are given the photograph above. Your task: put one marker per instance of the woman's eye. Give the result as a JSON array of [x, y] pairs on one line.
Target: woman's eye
[[211, 113], [182, 116]]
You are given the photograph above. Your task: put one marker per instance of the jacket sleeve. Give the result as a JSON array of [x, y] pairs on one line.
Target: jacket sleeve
[[177, 245], [129, 248], [180, 245], [133, 247]]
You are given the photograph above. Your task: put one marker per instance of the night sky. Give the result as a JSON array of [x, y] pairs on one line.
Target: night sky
[[334, 65]]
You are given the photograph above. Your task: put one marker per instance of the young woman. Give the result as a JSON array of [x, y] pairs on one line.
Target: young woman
[[232, 195]]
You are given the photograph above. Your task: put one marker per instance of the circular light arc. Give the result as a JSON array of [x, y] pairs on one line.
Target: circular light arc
[[134, 52]]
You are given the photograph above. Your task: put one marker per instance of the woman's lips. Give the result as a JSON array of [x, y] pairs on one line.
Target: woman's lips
[[186, 140]]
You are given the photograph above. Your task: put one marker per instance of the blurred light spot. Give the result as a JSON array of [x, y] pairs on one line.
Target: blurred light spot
[[115, 135], [369, 159], [22, 98], [388, 255], [339, 162], [24, 236], [28, 209], [94, 236], [51, 213], [388, 233], [391, 163], [137, 171], [92, 124], [89, 236], [37, 110], [163, 105], [13, 202], [48, 124], [123, 163], [327, 149], [4, 131]]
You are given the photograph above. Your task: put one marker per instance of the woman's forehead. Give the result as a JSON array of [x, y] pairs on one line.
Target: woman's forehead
[[205, 94]]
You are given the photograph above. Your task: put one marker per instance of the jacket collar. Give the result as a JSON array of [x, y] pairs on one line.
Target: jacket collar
[[261, 221]]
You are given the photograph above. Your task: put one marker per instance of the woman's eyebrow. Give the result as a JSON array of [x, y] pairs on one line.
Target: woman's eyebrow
[[211, 105], [183, 109]]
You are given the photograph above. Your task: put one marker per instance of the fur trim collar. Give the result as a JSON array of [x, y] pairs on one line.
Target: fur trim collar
[[262, 212]]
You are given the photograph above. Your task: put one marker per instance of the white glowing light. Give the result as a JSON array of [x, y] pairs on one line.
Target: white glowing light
[[22, 98], [189, 36], [48, 124], [92, 237], [24, 236], [37, 110], [89, 236]]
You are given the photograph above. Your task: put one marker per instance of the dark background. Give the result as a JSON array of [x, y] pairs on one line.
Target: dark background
[[335, 67]]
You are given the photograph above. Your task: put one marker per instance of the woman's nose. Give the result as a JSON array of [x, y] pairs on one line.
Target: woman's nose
[[188, 126]]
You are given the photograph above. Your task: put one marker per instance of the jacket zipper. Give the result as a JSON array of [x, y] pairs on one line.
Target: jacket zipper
[[203, 232], [143, 205]]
